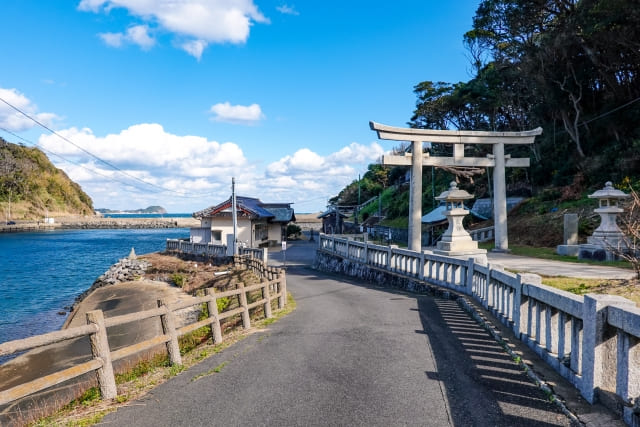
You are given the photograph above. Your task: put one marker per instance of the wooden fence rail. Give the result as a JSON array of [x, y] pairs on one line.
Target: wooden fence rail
[[272, 286], [592, 340]]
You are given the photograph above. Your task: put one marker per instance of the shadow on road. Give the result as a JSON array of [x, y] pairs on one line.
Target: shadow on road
[[481, 382]]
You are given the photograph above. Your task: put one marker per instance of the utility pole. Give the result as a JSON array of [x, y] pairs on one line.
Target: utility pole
[[358, 206], [234, 214]]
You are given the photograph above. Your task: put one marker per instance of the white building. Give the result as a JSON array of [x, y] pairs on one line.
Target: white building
[[259, 224]]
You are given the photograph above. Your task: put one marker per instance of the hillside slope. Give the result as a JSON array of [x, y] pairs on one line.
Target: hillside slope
[[31, 186]]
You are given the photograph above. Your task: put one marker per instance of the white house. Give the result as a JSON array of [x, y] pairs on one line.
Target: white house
[[258, 224]]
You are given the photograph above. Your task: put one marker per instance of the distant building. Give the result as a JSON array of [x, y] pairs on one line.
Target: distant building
[[329, 223], [259, 224]]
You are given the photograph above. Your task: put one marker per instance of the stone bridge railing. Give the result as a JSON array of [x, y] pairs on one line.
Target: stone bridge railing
[[591, 340]]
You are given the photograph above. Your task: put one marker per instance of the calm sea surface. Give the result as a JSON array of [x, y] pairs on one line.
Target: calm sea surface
[[41, 273]]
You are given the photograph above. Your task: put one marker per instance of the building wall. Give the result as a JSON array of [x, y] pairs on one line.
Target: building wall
[[246, 231], [275, 232]]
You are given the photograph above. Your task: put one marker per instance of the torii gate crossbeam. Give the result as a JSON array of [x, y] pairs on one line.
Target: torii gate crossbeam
[[459, 138]]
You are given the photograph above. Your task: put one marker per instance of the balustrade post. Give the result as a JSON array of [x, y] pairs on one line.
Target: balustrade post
[[597, 344], [468, 286], [169, 328], [100, 350], [212, 306], [366, 252], [520, 308]]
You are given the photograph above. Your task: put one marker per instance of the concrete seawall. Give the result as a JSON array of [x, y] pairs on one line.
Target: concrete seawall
[[73, 223]]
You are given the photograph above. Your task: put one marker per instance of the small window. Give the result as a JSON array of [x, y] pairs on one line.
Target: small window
[[216, 235]]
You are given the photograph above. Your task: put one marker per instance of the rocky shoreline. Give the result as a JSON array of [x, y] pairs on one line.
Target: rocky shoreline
[[125, 270]]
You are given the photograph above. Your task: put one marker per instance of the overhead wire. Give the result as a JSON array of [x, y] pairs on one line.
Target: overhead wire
[[93, 171], [116, 168]]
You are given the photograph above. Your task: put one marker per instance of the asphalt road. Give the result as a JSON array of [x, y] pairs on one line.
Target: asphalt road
[[351, 355]]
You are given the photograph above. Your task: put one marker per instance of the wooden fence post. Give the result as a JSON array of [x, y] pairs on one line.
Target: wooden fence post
[[100, 350], [212, 306], [246, 319], [282, 287], [169, 328], [266, 294]]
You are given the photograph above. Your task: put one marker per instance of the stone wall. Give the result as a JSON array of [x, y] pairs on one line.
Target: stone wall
[[336, 264]]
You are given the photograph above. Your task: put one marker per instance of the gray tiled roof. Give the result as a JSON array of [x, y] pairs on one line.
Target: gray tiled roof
[[278, 212]]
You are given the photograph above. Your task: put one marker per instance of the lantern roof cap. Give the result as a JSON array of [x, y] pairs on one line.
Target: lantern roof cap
[[454, 193], [608, 192]]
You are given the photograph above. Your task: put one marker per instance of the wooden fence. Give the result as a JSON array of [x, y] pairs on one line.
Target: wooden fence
[[592, 340], [272, 287]]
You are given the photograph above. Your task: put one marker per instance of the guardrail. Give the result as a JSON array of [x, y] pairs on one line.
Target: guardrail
[[482, 234], [591, 340], [273, 288]]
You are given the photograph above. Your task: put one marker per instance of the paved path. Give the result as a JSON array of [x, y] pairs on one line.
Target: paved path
[[558, 268], [351, 355]]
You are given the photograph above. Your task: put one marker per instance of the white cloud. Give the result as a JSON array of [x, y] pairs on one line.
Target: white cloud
[[238, 114], [190, 172], [306, 176], [137, 34], [285, 9], [194, 48], [13, 120], [185, 164], [198, 21]]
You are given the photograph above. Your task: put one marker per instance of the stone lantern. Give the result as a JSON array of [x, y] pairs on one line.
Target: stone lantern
[[608, 235], [456, 241]]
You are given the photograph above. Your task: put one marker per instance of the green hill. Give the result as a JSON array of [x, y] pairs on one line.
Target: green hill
[[31, 186]]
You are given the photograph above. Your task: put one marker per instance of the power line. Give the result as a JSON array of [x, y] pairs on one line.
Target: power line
[[162, 189], [610, 111], [93, 171]]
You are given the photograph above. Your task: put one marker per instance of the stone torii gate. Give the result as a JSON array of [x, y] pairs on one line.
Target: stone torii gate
[[498, 161]]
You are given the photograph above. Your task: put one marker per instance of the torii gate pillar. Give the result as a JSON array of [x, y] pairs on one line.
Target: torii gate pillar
[[500, 200], [415, 199], [498, 161]]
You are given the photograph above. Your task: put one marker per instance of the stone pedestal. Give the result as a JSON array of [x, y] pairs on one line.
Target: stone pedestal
[[570, 246], [456, 241]]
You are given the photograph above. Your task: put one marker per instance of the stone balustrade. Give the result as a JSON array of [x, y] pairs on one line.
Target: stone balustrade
[[591, 340]]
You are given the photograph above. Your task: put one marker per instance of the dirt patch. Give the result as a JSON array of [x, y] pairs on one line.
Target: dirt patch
[[191, 275], [629, 289]]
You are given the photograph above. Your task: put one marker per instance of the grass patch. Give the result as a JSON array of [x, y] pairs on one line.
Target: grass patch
[[89, 409], [212, 371]]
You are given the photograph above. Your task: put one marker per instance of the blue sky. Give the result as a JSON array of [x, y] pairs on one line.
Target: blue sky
[[172, 98]]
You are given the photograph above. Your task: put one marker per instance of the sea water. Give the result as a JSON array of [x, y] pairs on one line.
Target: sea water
[[41, 273]]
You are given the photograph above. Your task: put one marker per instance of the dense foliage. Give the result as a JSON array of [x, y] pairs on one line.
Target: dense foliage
[[28, 178], [569, 66]]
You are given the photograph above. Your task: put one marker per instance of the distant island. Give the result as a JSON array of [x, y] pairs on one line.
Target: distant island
[[149, 210]]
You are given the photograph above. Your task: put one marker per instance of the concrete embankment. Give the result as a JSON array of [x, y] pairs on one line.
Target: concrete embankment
[[72, 223], [118, 291]]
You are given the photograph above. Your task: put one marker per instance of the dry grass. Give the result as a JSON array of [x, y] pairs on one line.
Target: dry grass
[[195, 274], [629, 289]]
